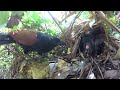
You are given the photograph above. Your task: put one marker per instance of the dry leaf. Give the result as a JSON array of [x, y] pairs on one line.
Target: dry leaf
[[22, 65], [40, 71], [53, 67], [110, 73], [91, 76], [116, 62], [62, 75], [67, 70], [61, 64]]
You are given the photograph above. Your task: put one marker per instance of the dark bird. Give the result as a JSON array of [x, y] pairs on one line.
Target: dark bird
[[31, 40], [92, 42]]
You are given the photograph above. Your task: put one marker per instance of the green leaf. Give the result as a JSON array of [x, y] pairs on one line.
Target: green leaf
[[15, 27], [4, 15], [84, 15], [113, 19]]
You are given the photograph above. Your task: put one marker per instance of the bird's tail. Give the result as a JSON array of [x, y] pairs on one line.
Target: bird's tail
[[5, 39]]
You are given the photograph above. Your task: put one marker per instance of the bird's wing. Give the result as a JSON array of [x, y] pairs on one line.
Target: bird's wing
[[25, 37]]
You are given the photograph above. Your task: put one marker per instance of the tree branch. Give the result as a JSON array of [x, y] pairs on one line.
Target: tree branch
[[107, 21], [70, 14], [55, 21]]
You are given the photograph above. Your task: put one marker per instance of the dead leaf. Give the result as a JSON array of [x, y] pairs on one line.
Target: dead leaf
[[91, 76], [22, 65], [110, 74], [61, 64], [116, 62], [40, 71], [62, 75], [53, 67], [69, 70]]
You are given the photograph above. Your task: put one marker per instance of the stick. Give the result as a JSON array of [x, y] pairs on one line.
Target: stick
[[98, 69], [107, 21], [55, 21]]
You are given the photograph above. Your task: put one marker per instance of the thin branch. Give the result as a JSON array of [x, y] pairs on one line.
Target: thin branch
[[84, 69], [75, 47], [55, 21], [70, 14], [85, 26], [45, 23], [75, 19], [98, 69], [107, 21], [71, 25]]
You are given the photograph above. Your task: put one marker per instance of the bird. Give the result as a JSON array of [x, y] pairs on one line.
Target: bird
[[92, 42], [31, 40]]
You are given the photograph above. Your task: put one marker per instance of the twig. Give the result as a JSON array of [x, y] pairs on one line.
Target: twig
[[83, 70], [98, 69], [81, 73], [55, 21], [74, 20], [115, 44], [68, 33], [71, 25], [70, 14], [107, 21], [112, 61], [75, 47], [108, 55], [86, 25]]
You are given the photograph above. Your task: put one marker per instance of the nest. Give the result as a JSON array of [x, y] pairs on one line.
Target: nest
[[103, 66]]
